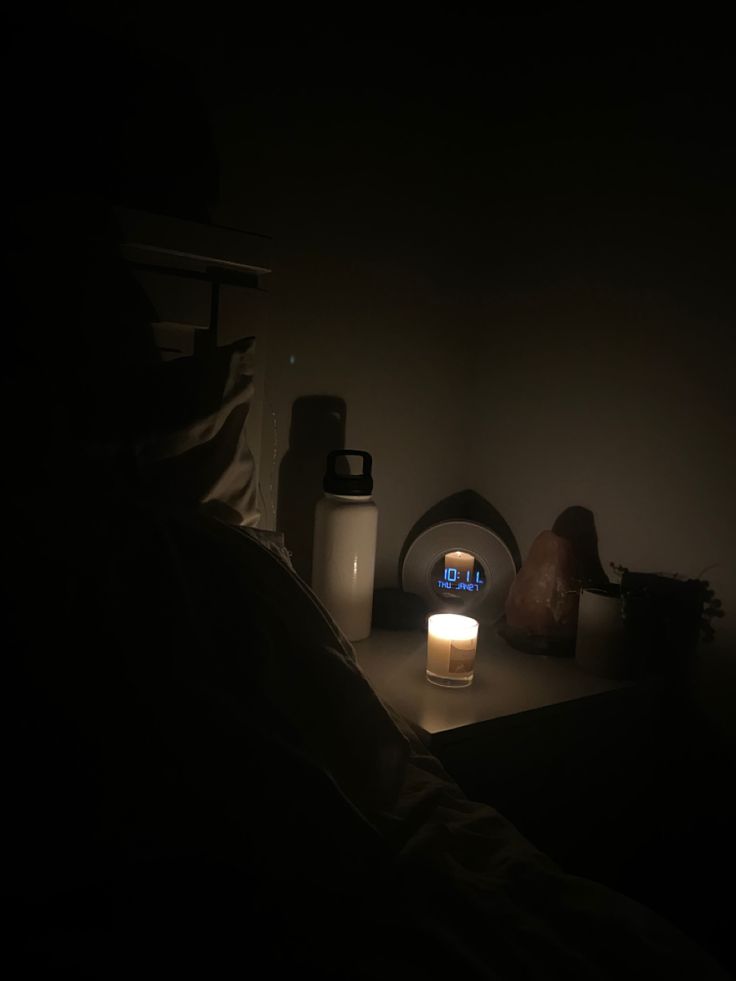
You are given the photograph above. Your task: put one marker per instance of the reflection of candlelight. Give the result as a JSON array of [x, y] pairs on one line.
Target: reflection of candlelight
[[451, 644], [463, 562]]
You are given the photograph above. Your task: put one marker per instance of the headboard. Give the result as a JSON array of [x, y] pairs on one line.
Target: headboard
[[205, 283]]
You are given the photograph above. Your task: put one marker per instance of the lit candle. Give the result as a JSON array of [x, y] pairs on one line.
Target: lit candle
[[451, 646]]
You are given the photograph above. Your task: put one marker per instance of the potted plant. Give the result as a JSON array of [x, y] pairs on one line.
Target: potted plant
[[665, 616]]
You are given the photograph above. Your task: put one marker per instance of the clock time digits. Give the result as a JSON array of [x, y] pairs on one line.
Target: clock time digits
[[457, 574]]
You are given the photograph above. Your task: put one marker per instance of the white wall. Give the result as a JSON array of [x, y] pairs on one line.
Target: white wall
[[376, 335], [619, 401], [360, 297], [622, 401], [358, 309]]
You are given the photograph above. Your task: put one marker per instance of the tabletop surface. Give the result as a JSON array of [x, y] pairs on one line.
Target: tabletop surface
[[506, 683]]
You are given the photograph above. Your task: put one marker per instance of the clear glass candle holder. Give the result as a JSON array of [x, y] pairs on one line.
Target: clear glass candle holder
[[451, 647]]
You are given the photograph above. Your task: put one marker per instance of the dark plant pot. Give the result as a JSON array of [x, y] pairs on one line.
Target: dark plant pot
[[662, 617]]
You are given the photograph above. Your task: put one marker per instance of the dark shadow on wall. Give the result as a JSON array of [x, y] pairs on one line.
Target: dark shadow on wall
[[79, 323], [130, 120], [317, 426], [577, 525]]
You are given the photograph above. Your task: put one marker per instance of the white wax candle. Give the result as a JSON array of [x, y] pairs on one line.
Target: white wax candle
[[451, 646], [463, 562]]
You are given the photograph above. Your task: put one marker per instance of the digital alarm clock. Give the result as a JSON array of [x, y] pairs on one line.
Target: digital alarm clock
[[459, 567]]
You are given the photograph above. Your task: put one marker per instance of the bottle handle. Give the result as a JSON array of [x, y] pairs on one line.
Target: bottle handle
[[334, 455]]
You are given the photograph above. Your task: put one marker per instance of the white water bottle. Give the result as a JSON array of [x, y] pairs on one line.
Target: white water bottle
[[344, 555]]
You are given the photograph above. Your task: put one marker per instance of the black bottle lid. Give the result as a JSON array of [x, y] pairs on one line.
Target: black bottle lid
[[350, 484]]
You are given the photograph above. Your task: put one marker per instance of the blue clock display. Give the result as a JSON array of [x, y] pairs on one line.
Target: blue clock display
[[457, 575]]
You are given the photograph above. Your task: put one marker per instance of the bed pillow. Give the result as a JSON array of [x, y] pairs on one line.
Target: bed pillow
[[193, 454]]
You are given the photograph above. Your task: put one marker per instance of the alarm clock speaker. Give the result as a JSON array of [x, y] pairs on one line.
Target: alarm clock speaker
[[459, 567]]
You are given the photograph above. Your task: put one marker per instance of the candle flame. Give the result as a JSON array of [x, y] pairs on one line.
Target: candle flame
[[453, 626]]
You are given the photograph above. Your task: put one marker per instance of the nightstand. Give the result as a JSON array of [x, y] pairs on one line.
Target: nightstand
[[507, 684], [617, 781], [561, 753]]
